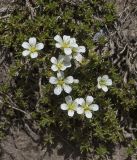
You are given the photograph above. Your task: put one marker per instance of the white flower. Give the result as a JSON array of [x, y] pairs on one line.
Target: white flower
[[61, 63], [61, 83], [76, 81], [86, 106], [32, 47], [70, 106], [103, 82], [76, 53], [66, 43]]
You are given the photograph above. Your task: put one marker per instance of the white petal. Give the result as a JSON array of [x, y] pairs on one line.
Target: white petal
[[60, 75], [68, 99], [58, 45], [67, 51], [70, 113], [99, 78], [26, 45], [104, 88], [69, 80], [34, 55], [81, 49], [72, 40], [67, 88], [78, 57], [25, 53], [39, 46], [109, 82], [54, 68], [105, 77], [67, 65], [94, 107], [61, 58], [89, 99], [64, 106], [75, 81], [99, 86], [32, 41], [58, 90], [80, 110], [88, 114], [53, 60], [66, 39], [63, 68], [73, 43], [53, 80], [58, 38], [67, 60], [80, 101], [70, 56]]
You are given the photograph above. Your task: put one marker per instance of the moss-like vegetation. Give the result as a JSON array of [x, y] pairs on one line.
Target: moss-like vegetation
[[30, 91]]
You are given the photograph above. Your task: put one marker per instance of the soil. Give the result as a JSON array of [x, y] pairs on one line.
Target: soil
[[22, 144]]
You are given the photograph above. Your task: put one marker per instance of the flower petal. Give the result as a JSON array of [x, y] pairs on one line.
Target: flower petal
[[75, 81], [80, 101], [66, 39], [61, 58], [70, 113], [53, 60], [34, 55], [109, 82], [69, 80], [53, 80], [104, 88], [72, 40], [99, 86], [60, 75], [81, 49], [26, 45], [67, 88], [25, 53], [63, 68], [58, 38], [58, 45], [89, 99], [99, 78], [94, 107], [58, 90], [78, 57], [67, 60], [64, 106], [73, 43], [88, 114], [32, 41], [105, 77], [67, 51], [54, 68], [80, 110], [39, 46], [68, 99]]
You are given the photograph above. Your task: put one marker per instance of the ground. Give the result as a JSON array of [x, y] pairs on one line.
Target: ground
[[22, 143]]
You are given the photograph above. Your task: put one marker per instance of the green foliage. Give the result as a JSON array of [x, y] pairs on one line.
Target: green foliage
[[131, 150], [31, 91]]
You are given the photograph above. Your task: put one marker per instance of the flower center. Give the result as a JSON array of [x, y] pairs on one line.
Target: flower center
[[102, 82], [71, 106], [59, 65], [32, 49], [86, 107], [60, 82], [65, 45]]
